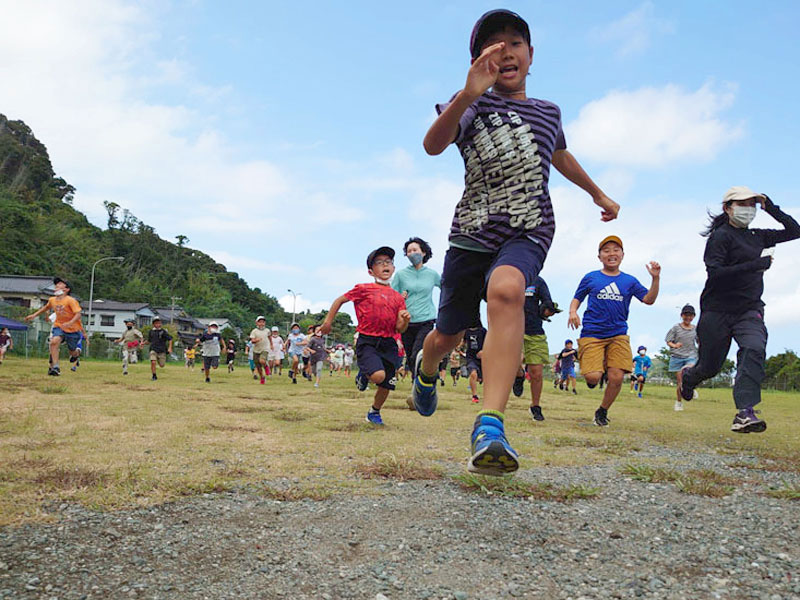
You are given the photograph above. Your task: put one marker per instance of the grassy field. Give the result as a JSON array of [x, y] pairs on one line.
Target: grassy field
[[108, 441]]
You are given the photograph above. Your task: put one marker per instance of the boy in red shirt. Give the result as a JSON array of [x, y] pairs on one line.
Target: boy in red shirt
[[381, 314]]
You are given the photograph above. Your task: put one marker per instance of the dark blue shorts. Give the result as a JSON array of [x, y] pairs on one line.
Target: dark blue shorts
[[74, 340], [474, 364], [466, 274], [377, 354]]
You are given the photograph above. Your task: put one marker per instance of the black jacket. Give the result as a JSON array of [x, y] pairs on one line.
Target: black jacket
[[735, 266]]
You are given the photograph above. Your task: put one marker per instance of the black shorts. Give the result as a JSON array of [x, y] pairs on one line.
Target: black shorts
[[473, 364], [306, 359], [210, 362], [443, 364], [466, 274], [377, 354], [231, 356], [454, 371]]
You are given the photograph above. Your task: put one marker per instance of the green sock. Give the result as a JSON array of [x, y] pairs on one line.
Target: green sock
[[493, 413], [428, 378]]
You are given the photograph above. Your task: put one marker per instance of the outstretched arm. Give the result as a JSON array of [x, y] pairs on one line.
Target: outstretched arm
[[791, 229], [655, 272], [337, 304], [569, 167], [481, 76]]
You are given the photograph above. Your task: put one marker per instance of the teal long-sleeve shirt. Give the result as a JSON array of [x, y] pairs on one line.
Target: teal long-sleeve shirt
[[419, 284]]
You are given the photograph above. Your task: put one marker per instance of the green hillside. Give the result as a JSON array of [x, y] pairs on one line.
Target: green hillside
[[42, 234]]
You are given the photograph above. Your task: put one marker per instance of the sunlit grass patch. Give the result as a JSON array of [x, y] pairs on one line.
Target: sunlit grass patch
[[291, 415], [702, 487], [786, 492], [514, 487], [53, 388], [401, 468], [295, 493], [650, 474], [702, 482]]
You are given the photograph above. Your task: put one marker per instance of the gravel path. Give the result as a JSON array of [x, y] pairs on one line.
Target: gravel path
[[428, 540]]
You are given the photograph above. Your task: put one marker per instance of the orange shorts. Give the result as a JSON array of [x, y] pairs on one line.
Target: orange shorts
[[598, 354]]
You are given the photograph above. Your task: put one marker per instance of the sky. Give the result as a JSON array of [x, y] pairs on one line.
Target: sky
[[286, 140]]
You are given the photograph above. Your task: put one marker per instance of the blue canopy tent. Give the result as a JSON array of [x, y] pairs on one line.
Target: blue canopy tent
[[15, 326]]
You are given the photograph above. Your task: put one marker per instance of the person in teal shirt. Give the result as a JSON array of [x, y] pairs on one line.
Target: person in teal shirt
[[416, 283]]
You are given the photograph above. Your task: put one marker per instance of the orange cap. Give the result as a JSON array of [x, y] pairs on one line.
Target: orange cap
[[610, 238]]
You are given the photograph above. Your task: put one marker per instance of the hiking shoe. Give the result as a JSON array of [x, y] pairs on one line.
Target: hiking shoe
[[361, 381], [374, 418], [154, 377], [519, 382], [475, 399], [678, 406], [746, 421], [687, 393], [601, 417], [491, 452], [424, 394], [536, 413]]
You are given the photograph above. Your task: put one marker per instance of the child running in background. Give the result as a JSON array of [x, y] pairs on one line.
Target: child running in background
[[604, 344], [682, 342], [6, 343], [557, 383], [348, 359], [250, 358], [455, 363], [213, 345], [260, 338], [189, 355], [503, 225], [381, 314], [231, 354], [317, 354], [160, 342], [641, 365], [567, 358], [130, 340], [275, 352], [474, 338], [539, 307], [295, 344]]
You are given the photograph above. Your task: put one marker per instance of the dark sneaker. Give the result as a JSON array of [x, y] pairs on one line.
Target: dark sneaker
[[518, 388], [491, 452], [687, 393], [374, 418], [361, 381], [574, 391], [536, 413], [255, 376], [54, 371], [155, 376], [73, 358], [747, 421], [291, 375], [601, 417], [294, 380], [424, 394], [208, 380]]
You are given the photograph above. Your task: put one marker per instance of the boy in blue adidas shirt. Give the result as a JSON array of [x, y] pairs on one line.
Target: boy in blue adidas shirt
[[604, 343]]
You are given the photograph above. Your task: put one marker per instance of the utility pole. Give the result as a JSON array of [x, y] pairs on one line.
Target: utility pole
[[172, 307]]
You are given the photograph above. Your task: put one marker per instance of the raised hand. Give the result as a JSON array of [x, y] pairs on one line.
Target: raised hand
[[608, 208], [484, 70], [653, 268]]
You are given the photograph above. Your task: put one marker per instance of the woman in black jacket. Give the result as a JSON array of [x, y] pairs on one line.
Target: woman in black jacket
[[731, 306]]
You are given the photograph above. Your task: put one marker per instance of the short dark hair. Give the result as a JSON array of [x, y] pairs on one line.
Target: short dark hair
[[427, 253]]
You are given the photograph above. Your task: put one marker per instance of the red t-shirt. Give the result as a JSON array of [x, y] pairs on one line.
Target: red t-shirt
[[376, 308]]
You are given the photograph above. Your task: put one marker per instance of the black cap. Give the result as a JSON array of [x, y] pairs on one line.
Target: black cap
[[688, 309], [385, 250], [64, 281], [491, 22]]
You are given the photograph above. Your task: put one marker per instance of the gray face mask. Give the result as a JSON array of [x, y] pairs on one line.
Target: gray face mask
[[742, 216], [415, 258]]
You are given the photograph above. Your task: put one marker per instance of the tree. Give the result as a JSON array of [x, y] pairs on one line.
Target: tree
[[182, 240], [112, 208]]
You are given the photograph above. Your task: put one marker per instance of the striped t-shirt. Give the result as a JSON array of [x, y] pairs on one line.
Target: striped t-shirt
[[507, 146]]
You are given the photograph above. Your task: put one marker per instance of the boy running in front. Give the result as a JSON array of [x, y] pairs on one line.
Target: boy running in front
[[503, 225], [67, 326], [604, 344], [381, 314], [160, 344]]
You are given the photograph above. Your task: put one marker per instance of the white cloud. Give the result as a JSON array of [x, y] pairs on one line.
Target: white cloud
[[234, 262], [302, 304], [654, 127], [634, 32]]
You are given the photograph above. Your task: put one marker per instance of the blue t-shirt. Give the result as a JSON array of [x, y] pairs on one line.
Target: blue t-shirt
[[419, 284], [609, 296], [641, 364]]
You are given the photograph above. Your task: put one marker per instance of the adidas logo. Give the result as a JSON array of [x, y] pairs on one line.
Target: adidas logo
[[610, 292]]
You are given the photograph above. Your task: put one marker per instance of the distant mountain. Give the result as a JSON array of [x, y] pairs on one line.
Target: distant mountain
[[42, 234]]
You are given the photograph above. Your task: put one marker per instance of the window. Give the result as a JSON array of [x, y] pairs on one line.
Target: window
[[106, 320]]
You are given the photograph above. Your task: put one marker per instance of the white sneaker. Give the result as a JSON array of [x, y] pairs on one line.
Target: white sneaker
[[695, 395], [678, 405]]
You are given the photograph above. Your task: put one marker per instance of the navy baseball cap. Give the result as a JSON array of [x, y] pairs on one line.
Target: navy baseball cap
[[567, 341], [688, 309], [640, 348], [385, 250], [491, 22]]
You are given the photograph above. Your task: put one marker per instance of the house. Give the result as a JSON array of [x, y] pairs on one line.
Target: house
[[30, 292], [108, 316], [188, 327], [223, 323]]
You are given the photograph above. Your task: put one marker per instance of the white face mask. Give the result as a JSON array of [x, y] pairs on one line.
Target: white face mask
[[59, 292], [642, 352], [380, 281], [742, 216]]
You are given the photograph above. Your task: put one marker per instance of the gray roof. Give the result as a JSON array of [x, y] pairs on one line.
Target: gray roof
[[100, 304], [26, 284]]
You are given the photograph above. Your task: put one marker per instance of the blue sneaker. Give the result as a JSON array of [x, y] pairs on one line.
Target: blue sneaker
[[747, 421], [423, 394], [362, 382], [491, 452], [374, 418], [636, 387], [640, 394]]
